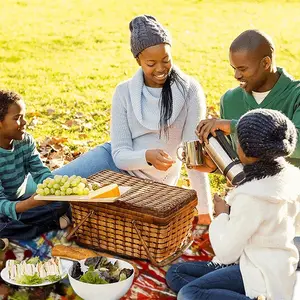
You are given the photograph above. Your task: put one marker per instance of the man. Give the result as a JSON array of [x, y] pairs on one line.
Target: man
[[262, 85]]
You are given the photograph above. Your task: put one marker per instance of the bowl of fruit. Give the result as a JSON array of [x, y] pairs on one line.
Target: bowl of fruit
[[101, 277], [76, 188]]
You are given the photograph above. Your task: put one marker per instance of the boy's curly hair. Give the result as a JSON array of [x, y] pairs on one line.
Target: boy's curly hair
[[7, 98]]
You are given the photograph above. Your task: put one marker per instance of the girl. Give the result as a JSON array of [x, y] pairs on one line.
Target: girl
[[255, 253], [153, 113]]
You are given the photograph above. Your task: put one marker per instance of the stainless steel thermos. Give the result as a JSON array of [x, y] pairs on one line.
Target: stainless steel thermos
[[226, 159]]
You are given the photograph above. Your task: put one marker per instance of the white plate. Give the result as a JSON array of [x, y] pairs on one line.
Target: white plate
[[77, 198], [66, 264]]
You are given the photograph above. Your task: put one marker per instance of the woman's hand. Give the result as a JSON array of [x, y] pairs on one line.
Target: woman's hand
[[159, 159], [205, 127], [220, 205]]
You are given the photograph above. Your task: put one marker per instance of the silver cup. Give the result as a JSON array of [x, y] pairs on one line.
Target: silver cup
[[193, 154]]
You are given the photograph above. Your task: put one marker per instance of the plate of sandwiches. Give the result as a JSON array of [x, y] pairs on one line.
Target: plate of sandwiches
[[33, 272]]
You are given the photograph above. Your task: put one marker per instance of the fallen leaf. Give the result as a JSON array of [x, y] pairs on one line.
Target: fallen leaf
[[50, 111], [33, 123], [83, 136], [78, 115]]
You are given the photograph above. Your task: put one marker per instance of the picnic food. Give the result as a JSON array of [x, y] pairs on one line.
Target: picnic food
[[72, 252], [65, 185], [111, 190], [33, 271], [100, 271]]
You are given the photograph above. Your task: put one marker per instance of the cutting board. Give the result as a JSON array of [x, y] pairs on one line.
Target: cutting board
[[86, 198]]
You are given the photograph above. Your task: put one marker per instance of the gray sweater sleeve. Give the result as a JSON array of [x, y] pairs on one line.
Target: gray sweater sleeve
[[123, 154]]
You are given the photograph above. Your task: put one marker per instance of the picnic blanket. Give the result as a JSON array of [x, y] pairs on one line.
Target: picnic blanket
[[149, 284]]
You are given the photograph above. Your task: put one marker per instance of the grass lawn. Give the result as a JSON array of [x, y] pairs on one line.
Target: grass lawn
[[66, 56]]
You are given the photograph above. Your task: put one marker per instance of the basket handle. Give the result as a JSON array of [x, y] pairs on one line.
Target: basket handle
[[169, 259], [73, 231]]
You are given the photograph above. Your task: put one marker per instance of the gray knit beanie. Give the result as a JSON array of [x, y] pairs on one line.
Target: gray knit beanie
[[266, 133], [146, 32]]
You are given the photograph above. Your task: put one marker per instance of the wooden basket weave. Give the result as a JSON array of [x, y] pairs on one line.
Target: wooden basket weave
[[150, 221]]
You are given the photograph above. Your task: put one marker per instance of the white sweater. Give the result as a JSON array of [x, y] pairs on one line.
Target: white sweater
[[259, 232], [135, 129]]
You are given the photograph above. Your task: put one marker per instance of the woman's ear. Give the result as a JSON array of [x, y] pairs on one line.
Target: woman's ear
[[138, 61]]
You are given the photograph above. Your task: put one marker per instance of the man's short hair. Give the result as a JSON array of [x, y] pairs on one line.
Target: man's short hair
[[253, 40]]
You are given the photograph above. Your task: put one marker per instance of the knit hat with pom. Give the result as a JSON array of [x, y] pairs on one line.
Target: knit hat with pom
[[266, 133], [146, 32]]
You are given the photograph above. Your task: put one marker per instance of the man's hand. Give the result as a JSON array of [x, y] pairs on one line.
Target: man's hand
[[159, 159], [205, 127], [220, 205]]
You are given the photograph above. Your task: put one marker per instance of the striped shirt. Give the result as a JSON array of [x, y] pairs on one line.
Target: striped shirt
[[15, 165]]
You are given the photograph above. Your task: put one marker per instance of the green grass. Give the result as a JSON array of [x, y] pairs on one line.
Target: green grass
[[68, 55]]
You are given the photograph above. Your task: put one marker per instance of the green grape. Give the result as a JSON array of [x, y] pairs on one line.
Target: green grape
[[74, 190], [62, 193], [57, 178], [47, 180], [63, 188], [56, 186], [52, 191], [50, 185], [65, 178], [80, 192], [40, 192], [46, 191], [72, 177], [74, 183], [95, 186], [86, 191], [84, 180], [57, 193], [69, 191], [81, 185], [67, 184], [40, 186]]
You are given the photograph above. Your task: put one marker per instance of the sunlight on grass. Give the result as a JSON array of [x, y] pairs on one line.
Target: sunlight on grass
[[68, 55]]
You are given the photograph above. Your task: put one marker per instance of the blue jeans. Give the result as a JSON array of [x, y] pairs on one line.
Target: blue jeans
[[206, 280], [91, 162], [34, 222]]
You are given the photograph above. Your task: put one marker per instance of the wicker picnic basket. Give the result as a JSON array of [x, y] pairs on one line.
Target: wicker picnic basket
[[150, 221]]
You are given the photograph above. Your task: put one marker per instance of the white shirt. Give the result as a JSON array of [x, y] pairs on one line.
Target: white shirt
[[259, 232], [260, 97]]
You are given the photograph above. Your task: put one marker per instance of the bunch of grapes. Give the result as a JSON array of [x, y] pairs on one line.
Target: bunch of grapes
[[65, 186]]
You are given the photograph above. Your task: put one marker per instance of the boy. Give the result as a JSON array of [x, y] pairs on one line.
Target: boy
[[22, 217]]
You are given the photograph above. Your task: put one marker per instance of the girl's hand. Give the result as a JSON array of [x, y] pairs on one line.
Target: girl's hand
[[220, 205], [159, 159]]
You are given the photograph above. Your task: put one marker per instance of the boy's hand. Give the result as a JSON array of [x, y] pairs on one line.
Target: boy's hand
[[30, 203], [159, 159], [220, 205]]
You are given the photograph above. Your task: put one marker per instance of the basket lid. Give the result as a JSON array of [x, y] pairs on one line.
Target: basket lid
[[146, 196]]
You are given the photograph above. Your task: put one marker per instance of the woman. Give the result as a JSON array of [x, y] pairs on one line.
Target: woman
[[153, 113]]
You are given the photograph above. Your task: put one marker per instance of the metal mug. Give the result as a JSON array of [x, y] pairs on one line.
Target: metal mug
[[193, 154]]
